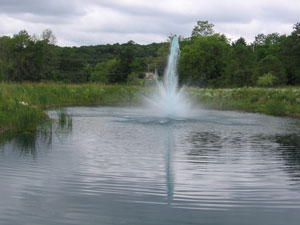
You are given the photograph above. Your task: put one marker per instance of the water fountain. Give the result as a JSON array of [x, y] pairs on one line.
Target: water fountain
[[170, 101]]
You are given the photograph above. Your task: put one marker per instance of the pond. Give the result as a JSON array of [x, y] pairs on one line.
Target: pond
[[118, 165]]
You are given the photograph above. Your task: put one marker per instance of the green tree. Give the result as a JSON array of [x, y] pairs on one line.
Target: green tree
[[71, 66], [203, 29], [137, 65], [290, 55], [125, 59], [6, 62], [133, 79], [203, 62], [239, 69], [18, 50], [48, 36], [158, 58], [265, 45], [105, 72], [49, 60], [266, 80], [87, 70], [270, 64], [24, 58]]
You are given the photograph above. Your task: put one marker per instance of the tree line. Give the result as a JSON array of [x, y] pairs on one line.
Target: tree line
[[208, 59], [36, 58]]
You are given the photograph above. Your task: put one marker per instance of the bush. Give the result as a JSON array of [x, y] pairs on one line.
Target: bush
[[267, 80], [134, 79]]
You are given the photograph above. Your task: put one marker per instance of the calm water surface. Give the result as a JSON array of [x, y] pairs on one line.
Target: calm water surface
[[122, 166]]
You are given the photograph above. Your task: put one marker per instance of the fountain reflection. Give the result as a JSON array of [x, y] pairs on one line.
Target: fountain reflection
[[169, 166]]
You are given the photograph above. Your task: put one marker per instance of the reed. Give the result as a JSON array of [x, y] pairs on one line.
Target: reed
[[64, 119], [22, 105], [19, 116], [273, 101]]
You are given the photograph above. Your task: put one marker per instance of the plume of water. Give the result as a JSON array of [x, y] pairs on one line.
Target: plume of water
[[169, 100]]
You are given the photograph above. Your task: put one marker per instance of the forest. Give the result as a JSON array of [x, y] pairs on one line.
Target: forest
[[208, 59]]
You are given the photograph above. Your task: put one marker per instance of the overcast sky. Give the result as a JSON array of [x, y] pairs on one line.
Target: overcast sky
[[91, 22]]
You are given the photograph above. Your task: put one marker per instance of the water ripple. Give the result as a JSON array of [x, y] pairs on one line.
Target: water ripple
[[126, 168]]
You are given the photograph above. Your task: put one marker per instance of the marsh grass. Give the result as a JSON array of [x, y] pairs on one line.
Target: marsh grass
[[273, 101], [22, 105], [65, 121], [62, 117], [19, 116], [26, 143], [276, 108]]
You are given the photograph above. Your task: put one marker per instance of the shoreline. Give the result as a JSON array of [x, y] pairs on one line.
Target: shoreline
[[22, 106], [271, 101]]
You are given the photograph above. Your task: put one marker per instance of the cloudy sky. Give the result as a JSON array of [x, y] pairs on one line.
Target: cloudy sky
[[91, 22]]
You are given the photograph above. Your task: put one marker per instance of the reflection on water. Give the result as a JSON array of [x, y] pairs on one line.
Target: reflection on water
[[25, 143], [204, 143], [289, 147], [169, 172], [64, 120], [28, 143], [121, 166]]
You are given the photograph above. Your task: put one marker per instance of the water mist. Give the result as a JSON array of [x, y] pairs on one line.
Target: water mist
[[169, 101]]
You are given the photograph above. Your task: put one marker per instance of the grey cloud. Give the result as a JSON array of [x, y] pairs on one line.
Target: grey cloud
[[220, 12], [46, 19], [41, 7], [280, 13], [131, 9], [86, 22]]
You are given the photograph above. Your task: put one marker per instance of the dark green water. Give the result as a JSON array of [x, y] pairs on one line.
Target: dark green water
[[122, 166]]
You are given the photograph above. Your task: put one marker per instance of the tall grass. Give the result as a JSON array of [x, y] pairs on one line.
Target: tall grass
[[21, 105], [64, 119], [19, 116], [49, 94], [273, 101]]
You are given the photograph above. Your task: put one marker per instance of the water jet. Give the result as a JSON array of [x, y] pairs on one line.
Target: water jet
[[170, 101]]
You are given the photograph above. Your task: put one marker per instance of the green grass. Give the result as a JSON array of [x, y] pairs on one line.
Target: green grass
[[64, 119], [50, 94], [19, 116], [22, 105], [273, 101]]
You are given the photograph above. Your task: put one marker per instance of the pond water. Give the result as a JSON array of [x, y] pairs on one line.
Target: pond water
[[122, 166]]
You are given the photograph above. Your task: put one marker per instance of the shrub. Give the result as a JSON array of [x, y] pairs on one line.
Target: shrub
[[134, 79], [267, 80]]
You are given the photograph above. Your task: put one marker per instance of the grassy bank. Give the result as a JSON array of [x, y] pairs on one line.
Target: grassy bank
[[273, 101], [22, 105]]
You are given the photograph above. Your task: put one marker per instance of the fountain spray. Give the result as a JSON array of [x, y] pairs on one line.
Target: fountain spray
[[170, 101]]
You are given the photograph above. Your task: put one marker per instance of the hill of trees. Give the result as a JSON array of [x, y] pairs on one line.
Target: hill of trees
[[207, 59]]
